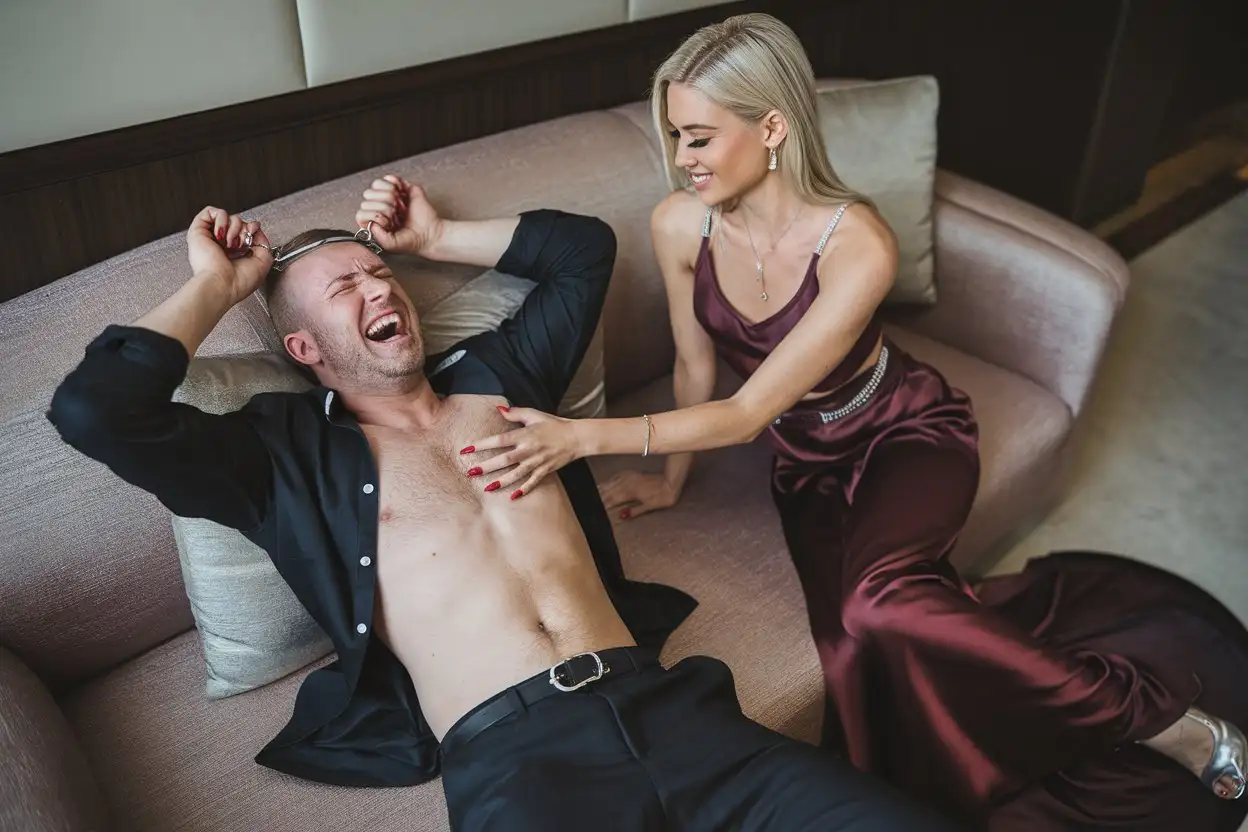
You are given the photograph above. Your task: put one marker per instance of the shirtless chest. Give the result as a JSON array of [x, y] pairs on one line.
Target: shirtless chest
[[423, 476], [442, 537]]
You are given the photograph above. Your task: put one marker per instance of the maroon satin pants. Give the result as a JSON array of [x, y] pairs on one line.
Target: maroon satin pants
[[977, 707]]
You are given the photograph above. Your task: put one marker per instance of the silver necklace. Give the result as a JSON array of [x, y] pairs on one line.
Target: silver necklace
[[758, 258]]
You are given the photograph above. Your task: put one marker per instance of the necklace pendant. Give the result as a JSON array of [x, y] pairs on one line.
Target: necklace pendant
[[763, 296]]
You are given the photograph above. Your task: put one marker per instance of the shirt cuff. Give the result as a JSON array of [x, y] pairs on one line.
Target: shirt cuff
[[140, 345], [527, 242]]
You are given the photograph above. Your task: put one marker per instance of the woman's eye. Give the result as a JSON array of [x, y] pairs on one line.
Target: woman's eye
[[696, 143]]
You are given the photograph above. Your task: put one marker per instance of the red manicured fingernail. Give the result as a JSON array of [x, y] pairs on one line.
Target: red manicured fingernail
[[494, 486], [625, 514], [220, 233], [517, 494], [469, 449], [475, 472], [503, 408]]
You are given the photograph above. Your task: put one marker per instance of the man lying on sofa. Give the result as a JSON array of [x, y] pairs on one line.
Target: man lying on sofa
[[511, 654]]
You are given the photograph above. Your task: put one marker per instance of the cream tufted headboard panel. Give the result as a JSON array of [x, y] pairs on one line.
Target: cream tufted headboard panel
[[70, 68], [73, 67]]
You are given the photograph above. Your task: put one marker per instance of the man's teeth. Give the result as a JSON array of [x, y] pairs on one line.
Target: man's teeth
[[381, 323]]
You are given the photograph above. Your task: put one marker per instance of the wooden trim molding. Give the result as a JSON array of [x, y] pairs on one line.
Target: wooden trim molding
[[1019, 96]]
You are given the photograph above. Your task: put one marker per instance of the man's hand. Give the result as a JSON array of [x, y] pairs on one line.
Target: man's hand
[[227, 271], [217, 244], [403, 220]]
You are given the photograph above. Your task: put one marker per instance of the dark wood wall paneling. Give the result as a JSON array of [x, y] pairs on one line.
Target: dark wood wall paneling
[[1214, 74], [1021, 88]]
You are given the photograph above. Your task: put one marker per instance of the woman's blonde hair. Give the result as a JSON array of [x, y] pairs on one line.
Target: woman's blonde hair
[[751, 64]]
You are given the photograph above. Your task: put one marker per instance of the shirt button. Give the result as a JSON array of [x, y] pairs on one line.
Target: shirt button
[[366, 561], [361, 628], [368, 488]]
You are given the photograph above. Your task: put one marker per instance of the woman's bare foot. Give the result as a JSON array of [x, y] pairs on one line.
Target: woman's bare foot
[[1191, 742]]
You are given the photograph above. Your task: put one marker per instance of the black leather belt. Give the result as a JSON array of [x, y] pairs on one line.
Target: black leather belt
[[569, 675]]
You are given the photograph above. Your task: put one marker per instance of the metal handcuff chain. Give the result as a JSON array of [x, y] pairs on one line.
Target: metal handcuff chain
[[281, 259]]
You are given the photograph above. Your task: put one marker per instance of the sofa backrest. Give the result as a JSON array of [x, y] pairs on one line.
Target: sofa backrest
[[90, 575]]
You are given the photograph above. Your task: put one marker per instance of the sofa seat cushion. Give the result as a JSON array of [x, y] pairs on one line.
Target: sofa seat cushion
[[168, 758], [1022, 431]]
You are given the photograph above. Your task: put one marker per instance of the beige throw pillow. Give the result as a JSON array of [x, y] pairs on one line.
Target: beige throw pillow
[[881, 139]]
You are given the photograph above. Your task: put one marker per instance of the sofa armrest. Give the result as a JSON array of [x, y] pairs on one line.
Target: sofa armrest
[[1020, 288], [45, 782]]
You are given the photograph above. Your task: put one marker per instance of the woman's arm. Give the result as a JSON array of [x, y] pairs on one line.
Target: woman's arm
[[673, 230], [855, 277]]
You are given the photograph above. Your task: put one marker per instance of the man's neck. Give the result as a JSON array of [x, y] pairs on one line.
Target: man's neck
[[411, 407]]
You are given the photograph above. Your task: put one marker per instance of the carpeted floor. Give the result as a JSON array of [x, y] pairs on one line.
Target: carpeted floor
[[1160, 469]]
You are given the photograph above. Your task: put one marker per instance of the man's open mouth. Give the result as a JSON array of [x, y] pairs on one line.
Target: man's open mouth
[[385, 328]]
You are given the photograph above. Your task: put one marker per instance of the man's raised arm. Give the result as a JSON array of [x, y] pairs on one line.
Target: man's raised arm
[[116, 405], [569, 256]]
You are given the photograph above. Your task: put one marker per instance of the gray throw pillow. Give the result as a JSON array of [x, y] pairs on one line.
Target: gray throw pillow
[[252, 627], [881, 140]]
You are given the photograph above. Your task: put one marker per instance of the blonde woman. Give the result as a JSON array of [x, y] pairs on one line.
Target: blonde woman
[[1043, 699]]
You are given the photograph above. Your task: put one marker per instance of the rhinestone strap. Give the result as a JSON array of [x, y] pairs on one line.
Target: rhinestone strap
[[863, 395], [836, 218]]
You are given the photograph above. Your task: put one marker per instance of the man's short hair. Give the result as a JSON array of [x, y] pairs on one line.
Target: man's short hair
[[281, 310]]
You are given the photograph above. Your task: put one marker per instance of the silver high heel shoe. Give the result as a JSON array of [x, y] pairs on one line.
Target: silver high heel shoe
[[1225, 769]]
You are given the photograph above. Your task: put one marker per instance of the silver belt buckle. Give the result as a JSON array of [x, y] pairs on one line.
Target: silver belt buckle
[[598, 673]]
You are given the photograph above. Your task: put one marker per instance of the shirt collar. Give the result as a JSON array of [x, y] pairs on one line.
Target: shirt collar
[[332, 403]]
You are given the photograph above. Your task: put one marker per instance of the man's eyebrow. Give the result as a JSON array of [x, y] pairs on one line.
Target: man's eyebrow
[[373, 269]]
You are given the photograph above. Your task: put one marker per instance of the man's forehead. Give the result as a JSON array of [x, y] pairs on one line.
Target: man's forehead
[[333, 260]]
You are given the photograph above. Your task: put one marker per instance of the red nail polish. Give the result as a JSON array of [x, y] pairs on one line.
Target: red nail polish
[[475, 472], [494, 486], [625, 514], [517, 494], [503, 408], [469, 449], [220, 233]]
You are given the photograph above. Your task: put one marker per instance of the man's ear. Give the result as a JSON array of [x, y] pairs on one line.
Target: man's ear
[[302, 348], [775, 128]]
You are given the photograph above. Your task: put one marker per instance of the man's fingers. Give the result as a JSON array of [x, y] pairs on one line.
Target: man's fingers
[[234, 233], [381, 224], [377, 207], [258, 240], [213, 221], [386, 197]]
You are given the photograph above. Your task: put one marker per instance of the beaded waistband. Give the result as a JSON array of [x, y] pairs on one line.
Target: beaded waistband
[[860, 398]]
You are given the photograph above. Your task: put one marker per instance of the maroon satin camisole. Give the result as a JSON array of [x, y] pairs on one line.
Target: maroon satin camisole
[[743, 345]]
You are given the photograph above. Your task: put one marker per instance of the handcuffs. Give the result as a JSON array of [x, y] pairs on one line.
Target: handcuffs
[[282, 259]]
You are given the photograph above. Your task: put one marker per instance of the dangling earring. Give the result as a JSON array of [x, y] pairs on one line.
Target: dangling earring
[[771, 162]]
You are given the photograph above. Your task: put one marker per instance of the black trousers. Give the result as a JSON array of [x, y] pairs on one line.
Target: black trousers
[[657, 749]]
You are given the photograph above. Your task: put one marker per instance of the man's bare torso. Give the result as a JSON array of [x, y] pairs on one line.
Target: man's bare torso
[[475, 591]]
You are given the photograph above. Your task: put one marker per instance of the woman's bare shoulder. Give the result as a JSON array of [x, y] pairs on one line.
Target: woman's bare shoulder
[[676, 224], [864, 233]]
